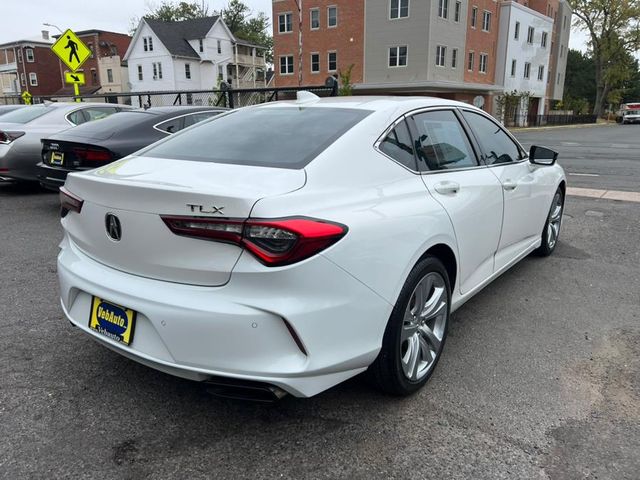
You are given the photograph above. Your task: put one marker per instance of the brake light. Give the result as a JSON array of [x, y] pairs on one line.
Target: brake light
[[274, 242], [8, 137], [69, 202], [92, 155]]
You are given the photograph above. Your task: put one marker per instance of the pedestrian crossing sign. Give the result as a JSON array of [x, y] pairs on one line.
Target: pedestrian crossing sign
[[71, 50]]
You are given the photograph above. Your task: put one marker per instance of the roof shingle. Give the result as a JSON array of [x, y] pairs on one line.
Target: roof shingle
[[174, 35]]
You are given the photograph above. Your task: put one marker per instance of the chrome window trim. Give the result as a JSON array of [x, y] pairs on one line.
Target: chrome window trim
[[183, 115]]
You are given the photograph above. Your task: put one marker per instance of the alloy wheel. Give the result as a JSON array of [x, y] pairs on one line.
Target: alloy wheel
[[555, 218]]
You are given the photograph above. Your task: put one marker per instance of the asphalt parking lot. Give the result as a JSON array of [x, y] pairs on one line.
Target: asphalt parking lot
[[540, 376]]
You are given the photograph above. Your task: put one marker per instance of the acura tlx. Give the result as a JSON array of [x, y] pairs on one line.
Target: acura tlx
[[286, 247]]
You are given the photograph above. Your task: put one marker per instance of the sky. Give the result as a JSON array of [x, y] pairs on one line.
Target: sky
[[24, 18]]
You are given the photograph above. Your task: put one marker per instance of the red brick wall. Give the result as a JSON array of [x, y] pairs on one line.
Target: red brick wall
[[45, 66], [347, 39], [479, 42]]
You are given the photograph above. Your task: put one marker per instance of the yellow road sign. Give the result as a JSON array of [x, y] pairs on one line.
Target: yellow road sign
[[26, 96], [75, 78], [71, 50]]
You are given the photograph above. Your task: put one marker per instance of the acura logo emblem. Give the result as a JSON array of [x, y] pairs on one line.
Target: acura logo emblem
[[114, 230]]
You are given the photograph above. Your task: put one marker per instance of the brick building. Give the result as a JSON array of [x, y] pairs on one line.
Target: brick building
[[449, 48], [29, 65]]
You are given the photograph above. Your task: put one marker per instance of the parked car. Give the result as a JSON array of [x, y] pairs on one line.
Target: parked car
[[93, 145], [21, 132], [9, 108], [289, 246]]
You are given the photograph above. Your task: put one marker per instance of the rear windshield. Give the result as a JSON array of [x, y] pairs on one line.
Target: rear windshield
[[24, 115], [116, 122], [286, 137]]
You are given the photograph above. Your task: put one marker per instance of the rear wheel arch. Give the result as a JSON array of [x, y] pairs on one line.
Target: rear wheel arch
[[445, 254]]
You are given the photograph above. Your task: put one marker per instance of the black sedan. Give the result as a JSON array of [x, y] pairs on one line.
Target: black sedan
[[96, 144]]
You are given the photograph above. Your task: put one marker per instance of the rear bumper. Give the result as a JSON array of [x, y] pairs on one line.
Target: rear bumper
[[302, 328], [51, 177]]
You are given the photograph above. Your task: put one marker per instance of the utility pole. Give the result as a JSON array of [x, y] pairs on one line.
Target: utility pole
[[299, 5]]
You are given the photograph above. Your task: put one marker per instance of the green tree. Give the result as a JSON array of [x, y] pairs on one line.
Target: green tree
[[580, 82], [614, 31], [254, 29], [169, 11]]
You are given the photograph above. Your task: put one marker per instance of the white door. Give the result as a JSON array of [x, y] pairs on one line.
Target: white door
[[523, 217], [468, 191]]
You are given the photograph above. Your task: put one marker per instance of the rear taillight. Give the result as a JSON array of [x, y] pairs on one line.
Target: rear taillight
[[274, 242], [8, 137], [92, 155], [69, 202]]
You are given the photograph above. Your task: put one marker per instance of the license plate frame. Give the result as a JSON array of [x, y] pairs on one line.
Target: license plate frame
[[56, 158], [112, 320]]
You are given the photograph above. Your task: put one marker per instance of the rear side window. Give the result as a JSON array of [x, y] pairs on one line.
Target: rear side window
[[194, 118], [172, 125], [497, 146], [282, 137], [26, 114], [397, 145], [98, 113], [77, 117], [442, 144]]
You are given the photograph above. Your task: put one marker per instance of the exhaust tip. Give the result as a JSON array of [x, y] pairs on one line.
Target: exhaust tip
[[234, 389]]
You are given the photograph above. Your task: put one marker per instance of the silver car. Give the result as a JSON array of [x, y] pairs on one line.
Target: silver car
[[22, 130]]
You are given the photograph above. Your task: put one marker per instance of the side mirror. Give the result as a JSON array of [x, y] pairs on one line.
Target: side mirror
[[542, 155]]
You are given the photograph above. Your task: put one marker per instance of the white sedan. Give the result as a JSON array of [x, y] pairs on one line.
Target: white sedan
[[287, 247]]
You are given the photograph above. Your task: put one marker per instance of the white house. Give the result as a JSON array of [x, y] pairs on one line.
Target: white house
[[191, 55], [524, 46]]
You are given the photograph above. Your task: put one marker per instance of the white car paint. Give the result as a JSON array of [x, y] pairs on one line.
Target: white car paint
[[212, 309]]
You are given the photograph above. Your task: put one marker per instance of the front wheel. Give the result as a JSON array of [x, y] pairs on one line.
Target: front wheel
[[551, 231], [416, 332]]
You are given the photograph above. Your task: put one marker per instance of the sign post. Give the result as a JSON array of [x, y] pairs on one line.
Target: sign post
[[73, 53], [26, 97]]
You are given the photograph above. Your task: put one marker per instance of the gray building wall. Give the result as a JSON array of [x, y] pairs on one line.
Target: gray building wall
[[422, 31]]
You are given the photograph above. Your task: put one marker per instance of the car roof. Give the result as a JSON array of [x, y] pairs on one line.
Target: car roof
[[179, 109]]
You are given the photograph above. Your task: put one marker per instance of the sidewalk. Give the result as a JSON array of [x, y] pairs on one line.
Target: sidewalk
[[552, 127]]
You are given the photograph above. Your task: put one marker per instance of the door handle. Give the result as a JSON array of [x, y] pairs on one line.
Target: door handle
[[509, 185], [447, 188]]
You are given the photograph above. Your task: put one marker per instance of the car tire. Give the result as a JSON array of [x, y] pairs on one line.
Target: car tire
[[551, 231], [414, 337]]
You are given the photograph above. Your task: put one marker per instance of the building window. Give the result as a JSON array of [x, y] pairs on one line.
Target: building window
[[157, 71], [486, 21], [220, 71], [286, 65], [543, 42], [456, 12], [140, 77], [94, 77], [20, 56], [541, 72], [30, 57], [482, 67], [441, 54], [398, 56], [109, 75], [33, 78], [558, 79], [399, 9], [187, 71], [474, 17], [527, 70], [23, 80], [315, 63], [471, 61], [443, 8], [219, 45], [516, 33], [333, 61], [454, 58], [332, 17], [564, 22], [148, 44], [285, 22], [315, 18], [200, 45], [530, 34], [513, 67]]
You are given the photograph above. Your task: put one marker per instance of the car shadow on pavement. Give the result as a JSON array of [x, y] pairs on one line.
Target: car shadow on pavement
[[22, 188]]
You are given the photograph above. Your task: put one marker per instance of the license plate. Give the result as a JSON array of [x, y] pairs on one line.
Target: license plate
[[111, 320], [56, 158]]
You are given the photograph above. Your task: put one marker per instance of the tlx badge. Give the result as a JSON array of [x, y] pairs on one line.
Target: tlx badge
[[201, 209]]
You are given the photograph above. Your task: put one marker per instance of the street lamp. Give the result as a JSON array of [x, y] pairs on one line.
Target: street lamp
[[52, 25]]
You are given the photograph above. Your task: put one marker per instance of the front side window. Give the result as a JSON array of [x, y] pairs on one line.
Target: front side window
[[497, 146], [315, 62], [398, 9], [443, 8], [333, 61], [486, 21], [441, 54], [332, 16], [398, 56], [259, 136], [398, 145], [441, 143], [315, 19], [285, 23], [286, 65]]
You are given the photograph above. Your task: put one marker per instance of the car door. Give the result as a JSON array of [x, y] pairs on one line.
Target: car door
[[471, 195], [523, 215]]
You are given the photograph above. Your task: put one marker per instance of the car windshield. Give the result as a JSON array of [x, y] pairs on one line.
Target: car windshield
[[282, 137], [25, 115]]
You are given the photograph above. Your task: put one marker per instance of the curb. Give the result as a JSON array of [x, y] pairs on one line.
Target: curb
[[553, 127]]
